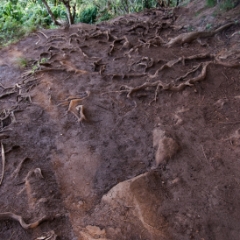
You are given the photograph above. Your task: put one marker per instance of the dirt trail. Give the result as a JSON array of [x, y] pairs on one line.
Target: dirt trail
[[120, 131]]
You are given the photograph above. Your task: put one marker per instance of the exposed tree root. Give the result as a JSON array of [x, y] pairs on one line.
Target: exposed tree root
[[83, 53], [10, 215], [52, 48], [188, 73], [27, 187], [126, 44], [69, 67], [98, 66], [98, 33], [66, 66], [145, 62], [189, 37], [36, 171], [43, 34], [172, 86], [7, 114], [228, 64], [18, 169], [198, 56], [155, 42], [124, 76], [74, 35], [3, 163], [56, 38], [3, 136], [159, 85], [48, 236], [171, 63], [112, 45], [143, 26], [80, 109], [75, 107], [8, 92]]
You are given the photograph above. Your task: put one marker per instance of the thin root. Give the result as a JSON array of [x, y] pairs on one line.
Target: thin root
[[75, 108], [80, 109], [10, 215], [3, 162]]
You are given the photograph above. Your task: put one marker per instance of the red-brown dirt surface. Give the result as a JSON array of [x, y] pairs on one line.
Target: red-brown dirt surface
[[117, 131]]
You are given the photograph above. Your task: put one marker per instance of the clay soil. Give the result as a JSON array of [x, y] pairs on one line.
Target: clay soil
[[115, 131]]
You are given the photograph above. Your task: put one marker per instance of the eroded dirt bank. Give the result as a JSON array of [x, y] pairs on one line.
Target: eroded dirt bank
[[123, 130]]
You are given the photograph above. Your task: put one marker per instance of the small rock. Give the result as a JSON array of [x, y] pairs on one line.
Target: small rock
[[167, 148]]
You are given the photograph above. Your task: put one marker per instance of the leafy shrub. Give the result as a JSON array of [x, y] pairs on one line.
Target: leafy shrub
[[149, 3], [105, 16], [88, 14], [211, 3], [18, 18], [227, 5]]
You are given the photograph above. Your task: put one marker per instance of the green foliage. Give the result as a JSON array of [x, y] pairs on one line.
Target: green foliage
[[190, 28], [211, 3], [148, 3], [105, 16], [224, 5], [43, 60], [208, 26], [20, 17], [227, 5], [88, 14], [22, 62], [107, 9]]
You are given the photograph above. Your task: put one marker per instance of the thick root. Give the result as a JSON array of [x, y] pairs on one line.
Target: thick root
[[173, 62], [189, 37], [172, 86], [159, 85]]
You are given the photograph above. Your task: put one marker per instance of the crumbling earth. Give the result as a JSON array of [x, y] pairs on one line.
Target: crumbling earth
[[128, 129]]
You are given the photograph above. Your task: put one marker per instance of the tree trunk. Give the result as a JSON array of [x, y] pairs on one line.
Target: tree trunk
[[70, 15], [50, 13]]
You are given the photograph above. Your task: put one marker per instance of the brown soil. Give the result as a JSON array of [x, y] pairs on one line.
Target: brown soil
[[113, 132]]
